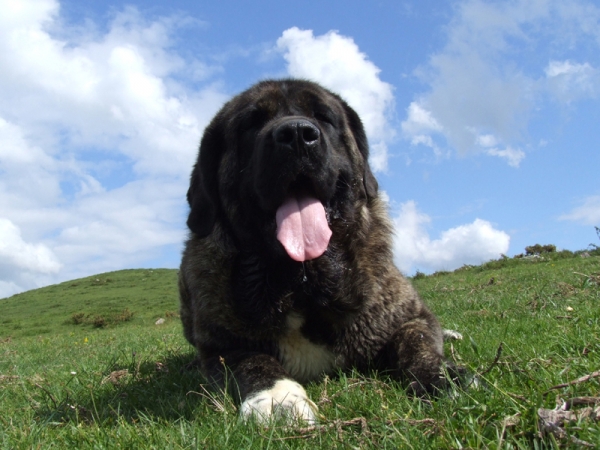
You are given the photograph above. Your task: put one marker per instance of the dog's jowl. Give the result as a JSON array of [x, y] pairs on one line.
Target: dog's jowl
[[288, 271]]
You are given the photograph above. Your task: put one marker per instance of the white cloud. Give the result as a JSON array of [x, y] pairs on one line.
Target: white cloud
[[487, 140], [419, 121], [30, 177], [472, 243], [15, 252], [588, 213], [21, 260], [566, 68], [469, 98], [478, 84], [337, 63], [110, 91], [419, 125], [513, 156], [98, 139], [427, 141], [569, 81]]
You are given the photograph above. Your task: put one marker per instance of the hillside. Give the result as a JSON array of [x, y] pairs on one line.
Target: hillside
[[136, 296], [83, 364]]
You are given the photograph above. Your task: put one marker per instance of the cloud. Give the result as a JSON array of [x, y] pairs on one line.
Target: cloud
[[113, 91], [513, 156], [419, 125], [569, 81], [99, 133], [14, 252], [472, 243], [478, 84], [29, 175], [588, 213], [419, 121], [337, 63], [20, 260]]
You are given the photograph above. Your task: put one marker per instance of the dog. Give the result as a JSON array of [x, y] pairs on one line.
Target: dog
[[288, 271]]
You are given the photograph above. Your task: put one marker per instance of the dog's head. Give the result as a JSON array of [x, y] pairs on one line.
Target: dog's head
[[278, 166]]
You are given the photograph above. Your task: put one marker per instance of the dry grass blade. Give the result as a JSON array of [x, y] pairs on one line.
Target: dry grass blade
[[8, 378], [115, 377], [413, 421], [353, 383], [48, 394], [314, 430], [577, 381], [337, 424], [495, 361], [219, 405]]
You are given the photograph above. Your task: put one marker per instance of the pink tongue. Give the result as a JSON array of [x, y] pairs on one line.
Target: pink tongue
[[302, 228]]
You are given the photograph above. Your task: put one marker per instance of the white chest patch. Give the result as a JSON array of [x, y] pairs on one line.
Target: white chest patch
[[303, 359]]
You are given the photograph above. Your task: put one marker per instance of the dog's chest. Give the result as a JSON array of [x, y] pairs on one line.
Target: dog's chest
[[303, 359]]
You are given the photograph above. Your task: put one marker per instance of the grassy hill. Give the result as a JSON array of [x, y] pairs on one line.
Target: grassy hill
[[134, 296], [83, 364]]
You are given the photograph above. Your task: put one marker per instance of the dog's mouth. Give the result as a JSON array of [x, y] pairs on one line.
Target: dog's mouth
[[302, 226]]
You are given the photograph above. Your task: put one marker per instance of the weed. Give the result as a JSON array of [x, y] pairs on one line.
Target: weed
[[124, 316], [418, 275], [538, 249], [78, 318], [101, 321], [594, 246], [98, 322]]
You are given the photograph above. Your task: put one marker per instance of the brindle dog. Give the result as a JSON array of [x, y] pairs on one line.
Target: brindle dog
[[288, 271]]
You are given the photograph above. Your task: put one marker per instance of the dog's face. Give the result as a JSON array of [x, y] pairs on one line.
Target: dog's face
[[281, 167]]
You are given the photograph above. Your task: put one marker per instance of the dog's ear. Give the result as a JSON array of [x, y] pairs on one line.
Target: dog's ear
[[203, 194], [360, 137]]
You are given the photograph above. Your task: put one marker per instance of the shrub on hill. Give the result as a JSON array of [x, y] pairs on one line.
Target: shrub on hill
[[538, 249], [99, 321]]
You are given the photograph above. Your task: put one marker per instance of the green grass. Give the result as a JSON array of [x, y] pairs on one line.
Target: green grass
[[148, 294], [528, 325]]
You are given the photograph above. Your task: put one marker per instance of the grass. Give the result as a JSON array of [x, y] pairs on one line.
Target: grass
[[69, 379]]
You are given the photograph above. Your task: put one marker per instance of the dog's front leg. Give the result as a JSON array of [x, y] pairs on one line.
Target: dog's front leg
[[416, 352], [263, 388]]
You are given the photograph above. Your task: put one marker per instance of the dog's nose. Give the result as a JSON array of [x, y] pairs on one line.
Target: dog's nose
[[300, 133]]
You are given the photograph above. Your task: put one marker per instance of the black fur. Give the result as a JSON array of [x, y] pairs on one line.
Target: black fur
[[242, 295]]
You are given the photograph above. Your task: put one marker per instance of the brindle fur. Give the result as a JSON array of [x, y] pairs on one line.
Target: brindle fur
[[245, 305]]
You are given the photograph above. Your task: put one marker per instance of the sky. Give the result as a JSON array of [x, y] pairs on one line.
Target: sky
[[483, 119]]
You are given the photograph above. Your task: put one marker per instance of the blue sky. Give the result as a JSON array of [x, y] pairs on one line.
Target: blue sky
[[483, 119]]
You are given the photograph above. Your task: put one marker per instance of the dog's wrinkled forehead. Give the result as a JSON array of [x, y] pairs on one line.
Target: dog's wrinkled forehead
[[268, 100]]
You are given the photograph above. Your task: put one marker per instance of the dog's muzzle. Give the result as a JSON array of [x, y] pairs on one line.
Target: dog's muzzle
[[297, 134]]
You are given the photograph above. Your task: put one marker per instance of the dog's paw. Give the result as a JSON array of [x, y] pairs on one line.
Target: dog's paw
[[448, 381], [451, 335], [286, 400]]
